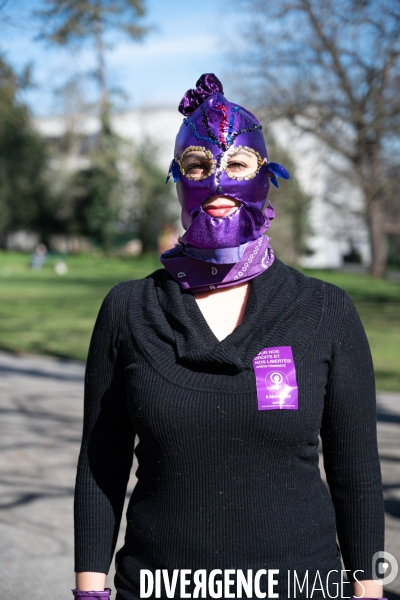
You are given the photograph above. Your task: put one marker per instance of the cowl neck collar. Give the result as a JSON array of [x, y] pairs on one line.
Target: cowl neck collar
[[168, 327], [194, 340]]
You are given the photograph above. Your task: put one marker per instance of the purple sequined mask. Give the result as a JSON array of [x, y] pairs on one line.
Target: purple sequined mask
[[219, 129]]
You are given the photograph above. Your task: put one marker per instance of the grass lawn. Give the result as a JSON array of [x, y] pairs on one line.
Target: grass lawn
[[45, 313]]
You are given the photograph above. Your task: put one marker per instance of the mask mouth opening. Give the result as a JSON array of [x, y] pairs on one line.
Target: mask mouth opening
[[221, 206]]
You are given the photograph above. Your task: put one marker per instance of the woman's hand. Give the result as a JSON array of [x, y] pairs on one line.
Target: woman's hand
[[88, 581], [369, 588]]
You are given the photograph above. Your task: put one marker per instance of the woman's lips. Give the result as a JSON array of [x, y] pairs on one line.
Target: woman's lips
[[220, 207], [219, 211]]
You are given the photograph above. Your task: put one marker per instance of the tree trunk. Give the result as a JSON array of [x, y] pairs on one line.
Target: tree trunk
[[3, 238], [101, 76], [376, 218]]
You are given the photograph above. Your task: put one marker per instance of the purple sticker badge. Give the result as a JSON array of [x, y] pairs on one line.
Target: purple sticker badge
[[276, 379]]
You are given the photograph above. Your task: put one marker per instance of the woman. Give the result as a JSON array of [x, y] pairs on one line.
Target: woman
[[227, 364]]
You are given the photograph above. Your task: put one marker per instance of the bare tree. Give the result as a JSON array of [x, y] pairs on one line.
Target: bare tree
[[332, 69], [96, 189], [76, 21]]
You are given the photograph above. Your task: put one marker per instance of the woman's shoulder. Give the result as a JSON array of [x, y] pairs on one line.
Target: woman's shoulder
[[125, 287], [118, 297], [334, 301], [308, 282]]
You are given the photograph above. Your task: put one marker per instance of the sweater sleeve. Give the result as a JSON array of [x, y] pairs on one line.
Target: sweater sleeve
[[350, 449], [106, 453]]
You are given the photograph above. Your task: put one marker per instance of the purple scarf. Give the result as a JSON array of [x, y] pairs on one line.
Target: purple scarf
[[199, 275]]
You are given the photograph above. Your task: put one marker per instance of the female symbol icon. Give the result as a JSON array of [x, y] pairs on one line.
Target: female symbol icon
[[276, 380]]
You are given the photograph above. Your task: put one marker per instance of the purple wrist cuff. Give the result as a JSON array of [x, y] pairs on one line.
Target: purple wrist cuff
[[82, 595]]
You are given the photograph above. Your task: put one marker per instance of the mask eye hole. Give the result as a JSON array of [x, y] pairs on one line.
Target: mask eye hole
[[196, 163], [242, 163]]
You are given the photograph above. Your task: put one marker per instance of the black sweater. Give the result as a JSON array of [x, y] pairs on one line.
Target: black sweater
[[221, 484]]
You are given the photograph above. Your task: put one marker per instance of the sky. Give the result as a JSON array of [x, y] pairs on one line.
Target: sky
[[186, 40]]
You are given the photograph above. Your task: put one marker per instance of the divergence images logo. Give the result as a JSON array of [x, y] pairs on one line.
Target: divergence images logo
[[384, 563]]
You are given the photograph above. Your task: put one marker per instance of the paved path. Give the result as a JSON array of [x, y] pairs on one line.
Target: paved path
[[40, 429]]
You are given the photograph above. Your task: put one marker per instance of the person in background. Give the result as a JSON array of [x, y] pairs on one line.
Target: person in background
[[38, 258]]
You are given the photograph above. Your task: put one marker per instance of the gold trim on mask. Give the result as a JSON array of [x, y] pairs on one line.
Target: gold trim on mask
[[232, 152], [208, 154]]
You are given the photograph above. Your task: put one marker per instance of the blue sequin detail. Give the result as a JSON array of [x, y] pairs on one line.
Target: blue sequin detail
[[213, 140], [197, 135], [231, 122]]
